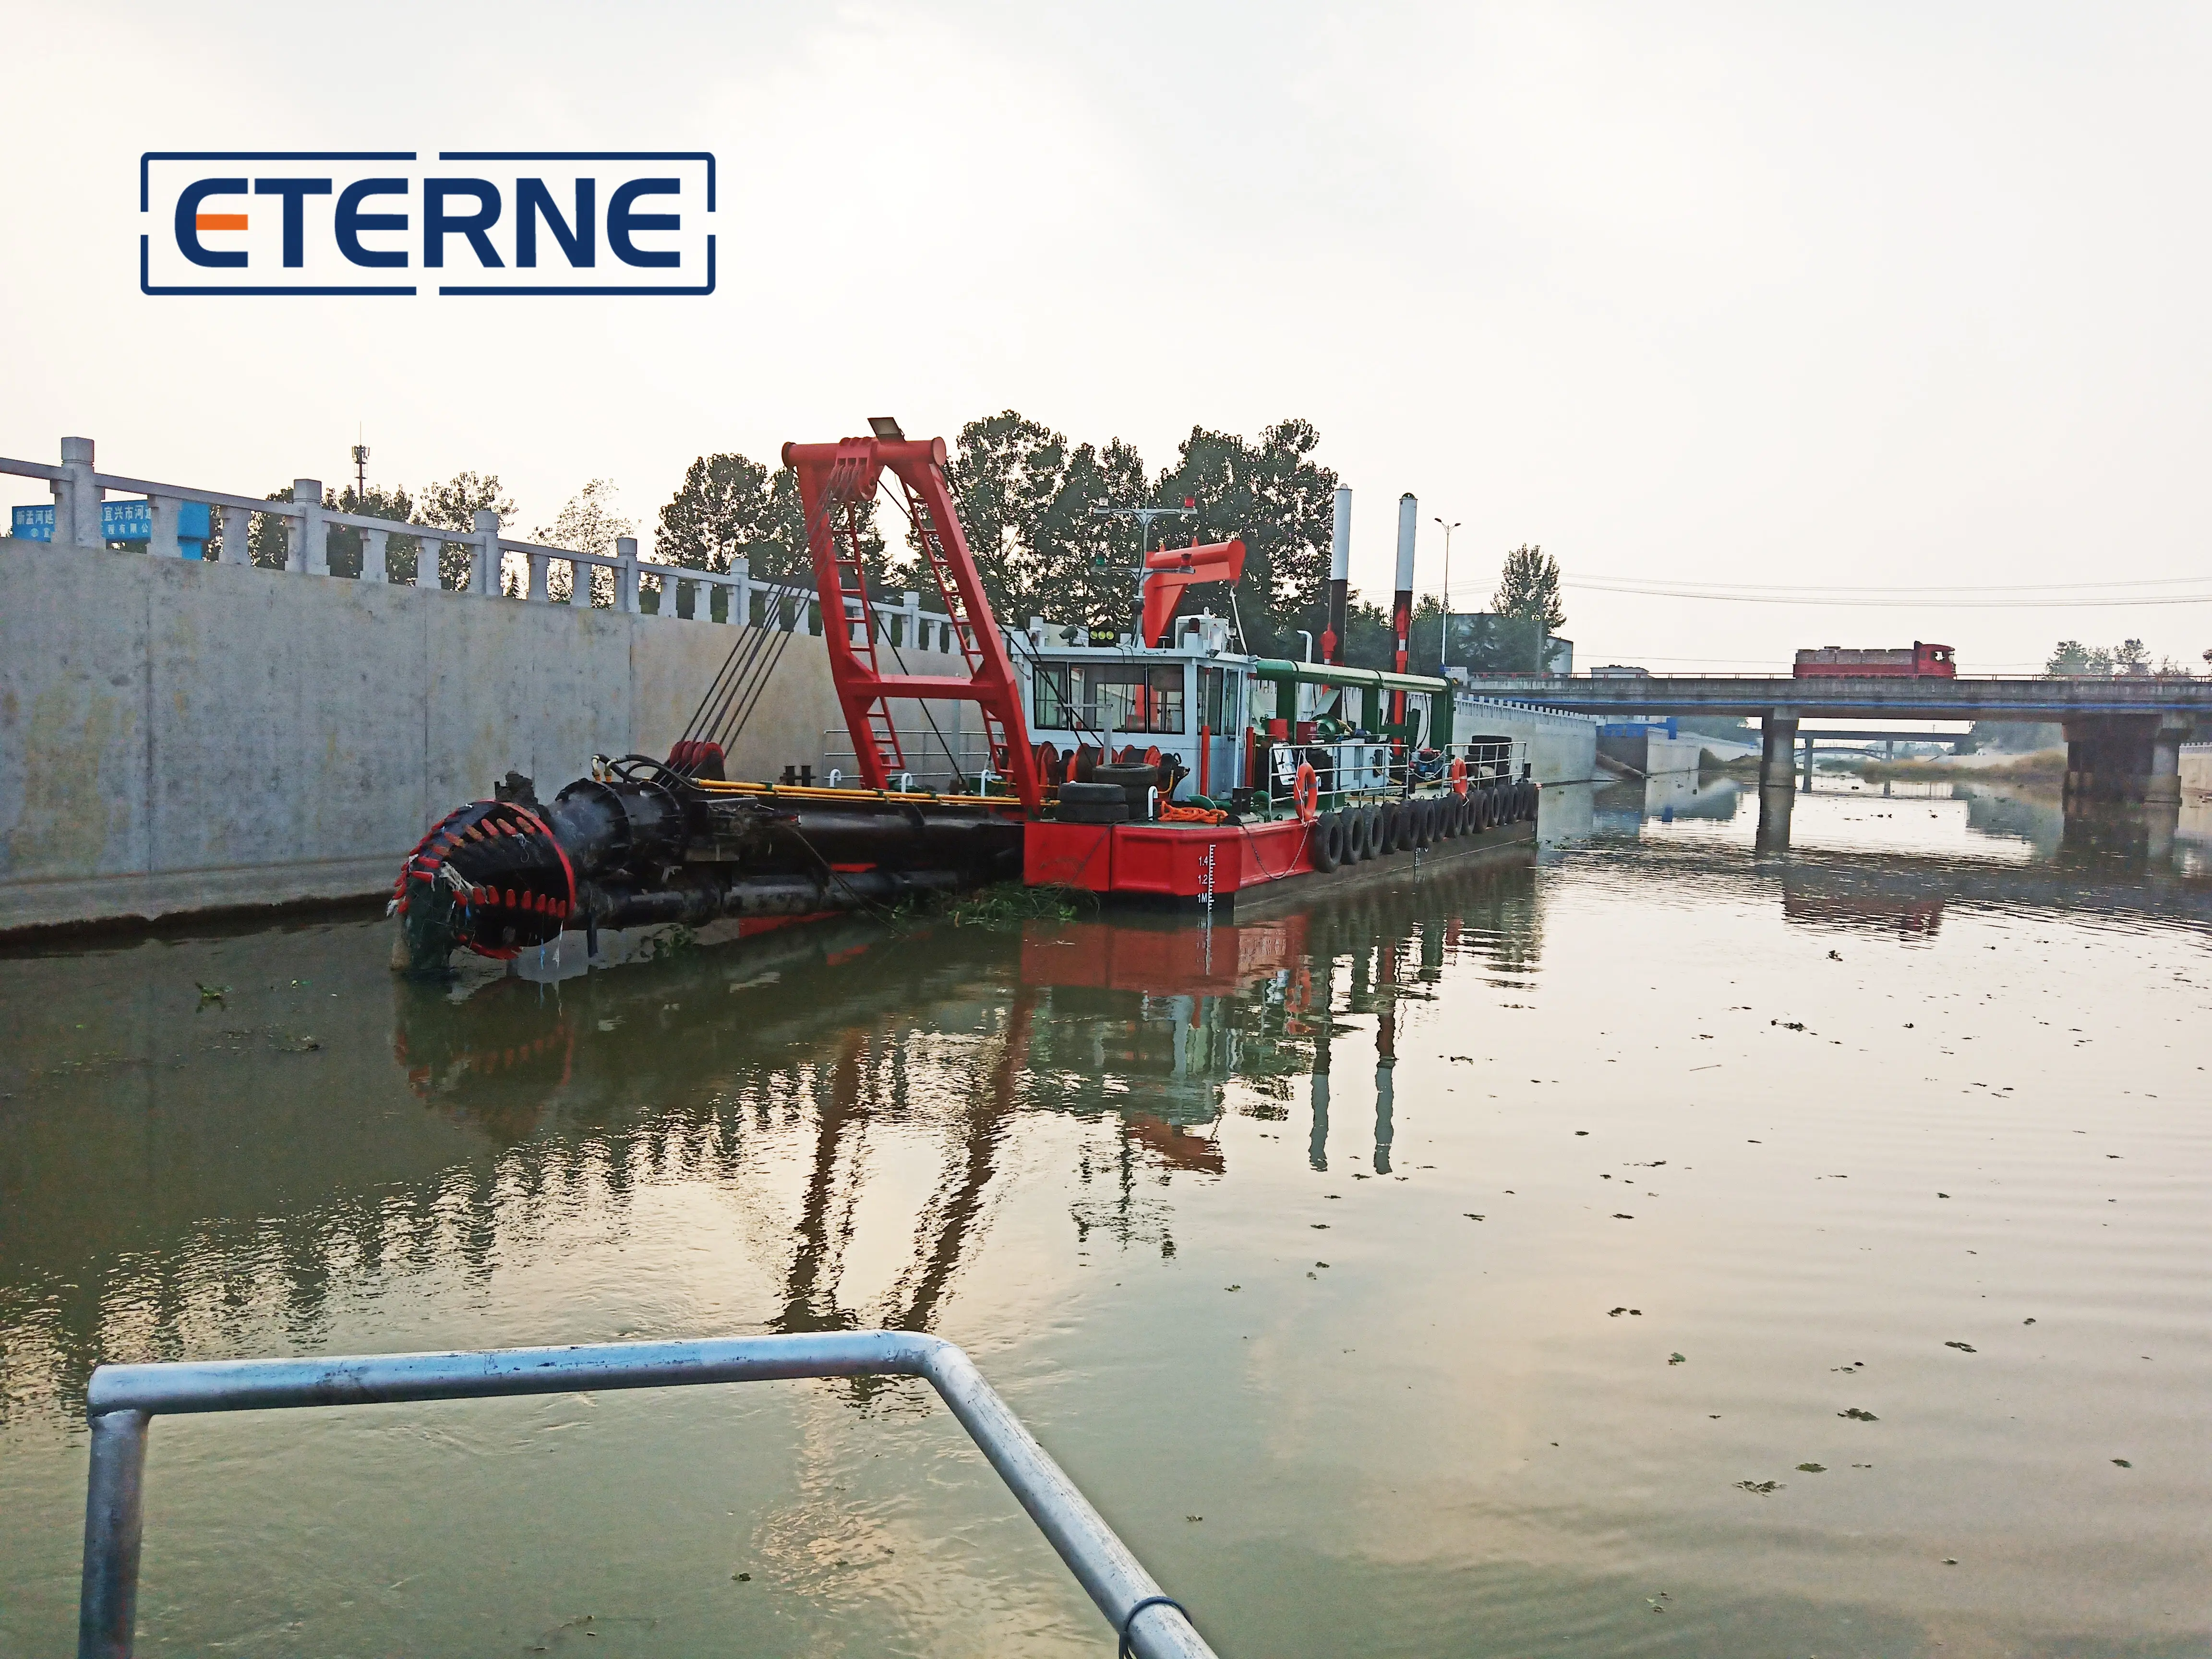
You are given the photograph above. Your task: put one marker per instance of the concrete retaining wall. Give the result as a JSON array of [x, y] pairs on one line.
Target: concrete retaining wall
[[178, 736], [1650, 753], [2197, 769], [1562, 748]]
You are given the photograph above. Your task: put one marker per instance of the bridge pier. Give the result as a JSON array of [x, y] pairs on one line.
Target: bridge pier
[[2119, 757], [1774, 806], [1778, 749], [2098, 832]]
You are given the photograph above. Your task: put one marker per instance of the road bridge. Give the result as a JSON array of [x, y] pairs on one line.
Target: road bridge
[[1859, 735], [2124, 736]]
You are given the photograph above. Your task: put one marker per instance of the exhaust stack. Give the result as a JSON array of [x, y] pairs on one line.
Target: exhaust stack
[[1339, 579], [1401, 607]]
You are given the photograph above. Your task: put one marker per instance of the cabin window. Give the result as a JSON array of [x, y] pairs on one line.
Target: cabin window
[[1102, 698], [1215, 711], [1052, 697]]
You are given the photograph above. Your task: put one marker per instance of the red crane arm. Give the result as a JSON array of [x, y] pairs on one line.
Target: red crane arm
[[835, 480], [1170, 569]]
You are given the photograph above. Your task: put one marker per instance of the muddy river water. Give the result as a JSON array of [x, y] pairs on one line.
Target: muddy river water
[[1639, 1246]]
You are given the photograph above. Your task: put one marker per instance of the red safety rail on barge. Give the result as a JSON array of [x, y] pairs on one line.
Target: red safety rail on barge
[[1923, 661]]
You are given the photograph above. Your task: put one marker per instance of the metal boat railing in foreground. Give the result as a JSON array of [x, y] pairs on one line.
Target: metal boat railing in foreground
[[123, 1399]]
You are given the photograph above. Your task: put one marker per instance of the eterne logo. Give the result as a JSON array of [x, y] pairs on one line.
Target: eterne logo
[[387, 222]]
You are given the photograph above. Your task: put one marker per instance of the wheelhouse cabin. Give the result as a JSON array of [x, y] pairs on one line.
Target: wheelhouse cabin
[[1236, 728]]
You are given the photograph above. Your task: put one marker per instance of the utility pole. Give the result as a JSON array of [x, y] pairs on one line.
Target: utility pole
[[1443, 647], [1143, 516], [360, 475]]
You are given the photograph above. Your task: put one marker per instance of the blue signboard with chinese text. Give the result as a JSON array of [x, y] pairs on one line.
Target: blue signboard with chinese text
[[121, 521]]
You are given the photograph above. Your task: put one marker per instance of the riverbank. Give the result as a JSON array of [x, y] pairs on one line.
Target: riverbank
[[2040, 767]]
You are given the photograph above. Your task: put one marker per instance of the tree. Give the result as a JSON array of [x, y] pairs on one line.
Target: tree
[[1009, 470], [1528, 587], [266, 540], [1026, 493], [729, 507], [1026, 496], [2075, 660], [453, 505], [588, 523], [1282, 503], [1087, 558], [448, 506], [1370, 641], [722, 511], [400, 552]]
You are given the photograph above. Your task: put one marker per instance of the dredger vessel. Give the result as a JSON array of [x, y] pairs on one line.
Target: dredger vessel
[[1162, 765]]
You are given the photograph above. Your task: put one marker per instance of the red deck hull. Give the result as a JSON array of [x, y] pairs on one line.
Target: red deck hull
[[1165, 861]]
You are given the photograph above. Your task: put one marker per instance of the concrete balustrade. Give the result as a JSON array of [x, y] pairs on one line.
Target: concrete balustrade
[[78, 490]]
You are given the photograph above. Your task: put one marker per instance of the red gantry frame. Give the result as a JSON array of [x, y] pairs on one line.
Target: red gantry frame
[[835, 480]]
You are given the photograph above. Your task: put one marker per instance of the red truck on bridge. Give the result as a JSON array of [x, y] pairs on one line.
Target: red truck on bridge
[[1836, 662]]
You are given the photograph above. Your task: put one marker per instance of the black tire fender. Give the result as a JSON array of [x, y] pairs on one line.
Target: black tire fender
[[1325, 846]]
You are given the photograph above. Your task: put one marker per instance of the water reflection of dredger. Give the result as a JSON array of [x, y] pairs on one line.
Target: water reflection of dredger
[[825, 1019], [1144, 1019], [502, 1052], [1143, 1023], [1154, 1021]]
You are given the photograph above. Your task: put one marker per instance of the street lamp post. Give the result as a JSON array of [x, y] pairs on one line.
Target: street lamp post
[[1443, 643]]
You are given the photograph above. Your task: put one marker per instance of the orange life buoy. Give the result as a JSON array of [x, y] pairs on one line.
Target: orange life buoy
[[1306, 792], [1459, 776]]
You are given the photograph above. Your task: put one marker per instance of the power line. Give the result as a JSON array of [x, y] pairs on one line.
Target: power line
[[1947, 587], [1954, 597], [1923, 601]]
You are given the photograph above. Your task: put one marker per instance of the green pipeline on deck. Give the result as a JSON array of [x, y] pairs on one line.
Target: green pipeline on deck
[[1374, 682]]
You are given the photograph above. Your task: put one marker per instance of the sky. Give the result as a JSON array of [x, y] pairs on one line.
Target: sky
[[1870, 295]]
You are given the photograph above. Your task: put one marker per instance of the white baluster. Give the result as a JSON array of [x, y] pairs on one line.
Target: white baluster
[[237, 536], [374, 545], [540, 563], [311, 548], [740, 603], [626, 574], [163, 543], [483, 557], [76, 498]]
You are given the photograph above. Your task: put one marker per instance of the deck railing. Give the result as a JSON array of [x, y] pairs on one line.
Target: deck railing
[[1386, 770], [123, 1399], [305, 524]]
